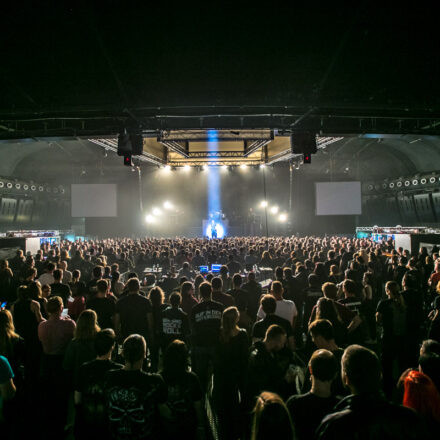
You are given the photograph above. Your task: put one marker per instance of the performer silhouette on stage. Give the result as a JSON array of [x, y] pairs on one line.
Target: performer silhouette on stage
[[213, 230]]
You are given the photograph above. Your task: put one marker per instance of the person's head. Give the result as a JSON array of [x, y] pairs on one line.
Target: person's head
[[287, 271], [224, 271], [251, 276], [97, 272], [321, 332], [134, 350], [229, 323], [46, 290], [268, 304], [34, 290], [368, 279], [279, 273], [409, 282], [156, 296], [102, 287], [271, 418], [217, 284], [361, 370], [237, 280], [54, 306], [175, 361], [421, 395], [330, 290], [323, 366], [57, 275], [104, 342], [63, 265], [392, 289], [275, 338], [115, 276], [50, 267], [186, 289], [205, 290], [277, 289], [325, 309], [87, 325], [7, 332], [430, 346], [349, 288], [76, 275], [133, 285], [175, 299]]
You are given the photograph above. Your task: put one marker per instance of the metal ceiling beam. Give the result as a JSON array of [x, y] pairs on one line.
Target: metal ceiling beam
[[174, 146]]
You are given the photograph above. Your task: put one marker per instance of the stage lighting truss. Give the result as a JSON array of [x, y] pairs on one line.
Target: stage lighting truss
[[321, 143], [112, 145]]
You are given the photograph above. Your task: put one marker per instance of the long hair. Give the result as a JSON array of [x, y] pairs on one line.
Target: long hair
[[7, 332], [156, 296], [421, 395], [230, 318], [34, 290], [271, 418], [325, 309], [394, 290], [175, 361], [87, 326]]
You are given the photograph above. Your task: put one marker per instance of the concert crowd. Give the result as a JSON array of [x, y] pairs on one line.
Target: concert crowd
[[235, 338]]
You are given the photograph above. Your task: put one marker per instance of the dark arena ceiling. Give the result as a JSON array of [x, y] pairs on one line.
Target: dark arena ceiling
[[362, 76]]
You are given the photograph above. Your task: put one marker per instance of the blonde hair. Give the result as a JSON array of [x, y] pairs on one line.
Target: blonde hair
[[230, 318], [87, 326], [7, 332]]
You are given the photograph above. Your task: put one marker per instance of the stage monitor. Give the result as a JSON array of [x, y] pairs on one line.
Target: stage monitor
[[215, 268], [94, 200], [203, 269], [338, 198]]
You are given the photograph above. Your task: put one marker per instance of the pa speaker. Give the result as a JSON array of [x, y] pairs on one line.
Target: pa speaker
[[303, 142], [124, 144], [137, 144]]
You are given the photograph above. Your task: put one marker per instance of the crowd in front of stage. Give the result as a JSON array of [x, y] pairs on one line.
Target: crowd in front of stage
[[126, 339]]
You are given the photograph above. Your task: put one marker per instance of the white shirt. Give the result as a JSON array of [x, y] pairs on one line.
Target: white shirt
[[46, 278], [285, 309]]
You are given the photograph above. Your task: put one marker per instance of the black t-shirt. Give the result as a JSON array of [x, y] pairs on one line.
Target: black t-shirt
[[241, 298], [90, 383], [205, 319], [394, 318], [182, 393], [133, 310], [175, 325], [105, 309], [61, 290], [307, 412], [260, 327], [132, 404]]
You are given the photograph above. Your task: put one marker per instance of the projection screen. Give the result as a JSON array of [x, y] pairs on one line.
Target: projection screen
[[94, 200], [338, 198]]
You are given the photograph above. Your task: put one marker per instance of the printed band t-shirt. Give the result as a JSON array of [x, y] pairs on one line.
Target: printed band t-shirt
[[132, 404], [205, 321]]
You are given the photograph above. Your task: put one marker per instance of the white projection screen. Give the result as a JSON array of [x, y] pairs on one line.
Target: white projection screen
[[94, 200], [338, 198]]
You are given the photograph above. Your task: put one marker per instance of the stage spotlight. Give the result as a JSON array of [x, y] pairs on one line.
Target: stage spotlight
[[157, 211], [262, 166], [432, 179], [243, 166], [167, 168], [149, 218], [423, 181], [282, 218], [167, 205], [274, 210], [224, 168], [205, 168], [407, 183], [415, 182], [186, 168], [263, 204]]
